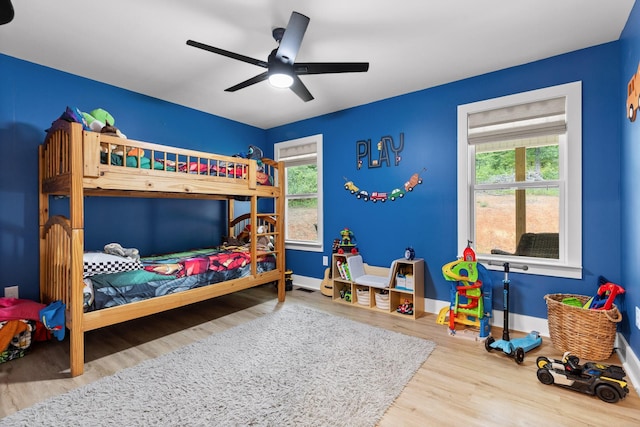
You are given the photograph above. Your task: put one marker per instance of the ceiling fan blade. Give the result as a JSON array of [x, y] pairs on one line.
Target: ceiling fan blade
[[228, 54], [6, 12], [330, 67], [300, 89], [253, 80], [292, 38]]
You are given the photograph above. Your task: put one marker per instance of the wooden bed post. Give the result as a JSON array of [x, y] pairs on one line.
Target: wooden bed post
[[43, 216], [254, 235], [76, 210], [280, 231]]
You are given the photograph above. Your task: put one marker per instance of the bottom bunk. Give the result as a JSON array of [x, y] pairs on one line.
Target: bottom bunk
[[101, 289], [155, 276]]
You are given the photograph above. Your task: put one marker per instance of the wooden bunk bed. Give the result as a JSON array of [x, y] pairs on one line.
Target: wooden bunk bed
[[77, 163]]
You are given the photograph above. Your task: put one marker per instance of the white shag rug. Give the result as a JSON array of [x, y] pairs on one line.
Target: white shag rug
[[294, 367]]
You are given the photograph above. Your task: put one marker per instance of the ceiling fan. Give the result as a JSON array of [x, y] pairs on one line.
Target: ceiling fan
[[282, 70]]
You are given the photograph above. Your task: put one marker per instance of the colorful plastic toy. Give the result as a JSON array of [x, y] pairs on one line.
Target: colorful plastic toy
[[470, 298], [603, 300], [605, 381], [406, 307], [347, 242], [517, 347]]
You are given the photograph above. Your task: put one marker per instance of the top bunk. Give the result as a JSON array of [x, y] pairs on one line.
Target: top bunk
[[96, 164]]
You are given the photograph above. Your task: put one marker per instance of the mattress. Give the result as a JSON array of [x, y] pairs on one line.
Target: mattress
[[171, 273]]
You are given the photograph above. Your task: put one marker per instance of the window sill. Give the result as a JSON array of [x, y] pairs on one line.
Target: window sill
[[303, 246], [536, 266]]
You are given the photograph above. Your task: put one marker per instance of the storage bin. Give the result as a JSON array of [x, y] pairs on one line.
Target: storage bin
[[588, 334], [363, 296], [382, 301]]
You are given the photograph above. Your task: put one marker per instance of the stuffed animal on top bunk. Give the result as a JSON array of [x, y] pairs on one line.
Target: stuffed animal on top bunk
[[102, 121]]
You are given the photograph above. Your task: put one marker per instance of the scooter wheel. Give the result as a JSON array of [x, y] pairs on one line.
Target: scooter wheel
[[487, 343], [519, 355]]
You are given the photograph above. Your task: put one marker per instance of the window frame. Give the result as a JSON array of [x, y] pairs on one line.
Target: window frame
[[318, 245], [569, 264]]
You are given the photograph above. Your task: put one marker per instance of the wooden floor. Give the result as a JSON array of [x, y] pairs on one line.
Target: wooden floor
[[461, 384]]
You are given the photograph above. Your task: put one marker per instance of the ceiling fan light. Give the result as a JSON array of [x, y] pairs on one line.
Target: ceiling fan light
[[280, 80]]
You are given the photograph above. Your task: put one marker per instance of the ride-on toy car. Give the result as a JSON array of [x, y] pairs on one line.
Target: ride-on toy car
[[605, 381]]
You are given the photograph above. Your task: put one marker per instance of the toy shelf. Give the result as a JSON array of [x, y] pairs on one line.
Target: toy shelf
[[407, 286]]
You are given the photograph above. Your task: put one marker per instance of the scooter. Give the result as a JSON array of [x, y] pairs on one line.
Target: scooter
[[517, 347]]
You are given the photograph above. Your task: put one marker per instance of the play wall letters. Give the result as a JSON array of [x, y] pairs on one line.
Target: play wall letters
[[384, 150]]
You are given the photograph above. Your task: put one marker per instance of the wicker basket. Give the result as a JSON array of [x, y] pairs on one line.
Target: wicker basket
[[588, 334]]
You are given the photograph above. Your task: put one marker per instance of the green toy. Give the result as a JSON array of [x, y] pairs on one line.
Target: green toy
[[98, 118]]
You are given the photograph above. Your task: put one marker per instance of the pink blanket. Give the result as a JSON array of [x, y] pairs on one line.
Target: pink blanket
[[16, 309]]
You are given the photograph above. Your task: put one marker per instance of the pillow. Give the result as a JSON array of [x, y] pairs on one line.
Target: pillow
[[102, 263]]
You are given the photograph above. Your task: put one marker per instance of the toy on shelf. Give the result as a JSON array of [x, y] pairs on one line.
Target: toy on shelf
[[405, 308], [607, 293], [347, 242], [605, 381], [470, 297], [517, 347]]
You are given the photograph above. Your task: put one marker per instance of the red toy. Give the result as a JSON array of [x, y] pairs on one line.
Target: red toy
[[468, 254], [606, 294]]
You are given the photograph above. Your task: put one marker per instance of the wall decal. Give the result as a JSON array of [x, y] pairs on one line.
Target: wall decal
[[375, 196], [633, 96], [385, 150]]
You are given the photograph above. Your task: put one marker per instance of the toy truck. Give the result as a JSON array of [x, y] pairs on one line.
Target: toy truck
[[605, 381]]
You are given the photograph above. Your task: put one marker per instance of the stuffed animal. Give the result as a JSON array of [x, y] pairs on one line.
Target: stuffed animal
[[102, 121], [117, 249], [265, 242]]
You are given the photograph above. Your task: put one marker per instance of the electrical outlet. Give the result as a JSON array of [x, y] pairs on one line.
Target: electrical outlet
[[325, 261], [11, 292], [637, 317]]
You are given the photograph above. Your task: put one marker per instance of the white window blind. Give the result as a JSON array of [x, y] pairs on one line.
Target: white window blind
[[294, 155], [533, 119]]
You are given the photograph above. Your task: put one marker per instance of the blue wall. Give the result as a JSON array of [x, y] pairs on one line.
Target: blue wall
[[426, 218], [31, 97], [630, 199]]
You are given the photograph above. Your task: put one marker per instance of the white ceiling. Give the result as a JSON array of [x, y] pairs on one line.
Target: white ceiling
[[410, 45]]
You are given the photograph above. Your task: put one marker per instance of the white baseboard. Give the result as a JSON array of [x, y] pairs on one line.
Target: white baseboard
[[517, 322], [306, 282], [629, 360]]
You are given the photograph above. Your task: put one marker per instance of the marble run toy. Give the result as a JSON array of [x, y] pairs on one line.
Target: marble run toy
[[470, 297]]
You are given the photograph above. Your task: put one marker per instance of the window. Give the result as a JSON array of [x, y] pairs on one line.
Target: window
[[303, 206], [520, 179]]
